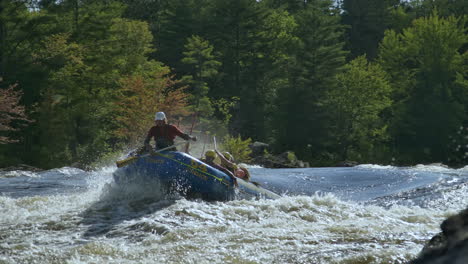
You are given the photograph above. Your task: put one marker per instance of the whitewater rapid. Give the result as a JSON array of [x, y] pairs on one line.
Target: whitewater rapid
[[68, 215]]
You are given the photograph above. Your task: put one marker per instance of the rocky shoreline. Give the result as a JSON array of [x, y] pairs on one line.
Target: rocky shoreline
[[261, 156]]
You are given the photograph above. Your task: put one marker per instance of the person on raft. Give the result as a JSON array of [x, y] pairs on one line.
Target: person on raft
[[210, 156], [164, 134], [227, 161]]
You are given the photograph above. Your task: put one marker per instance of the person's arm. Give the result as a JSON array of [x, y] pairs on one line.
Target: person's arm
[[228, 173], [226, 161], [181, 134]]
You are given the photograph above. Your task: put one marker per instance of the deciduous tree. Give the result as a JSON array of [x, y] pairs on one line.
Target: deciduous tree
[[361, 94], [144, 94], [11, 111], [429, 72]]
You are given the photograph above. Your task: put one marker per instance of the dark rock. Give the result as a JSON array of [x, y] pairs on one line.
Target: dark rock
[[81, 166], [259, 148], [270, 162], [283, 160], [347, 163], [450, 245], [261, 156]]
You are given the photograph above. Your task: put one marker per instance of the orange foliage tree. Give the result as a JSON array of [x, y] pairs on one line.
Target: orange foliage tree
[[10, 111], [141, 96]]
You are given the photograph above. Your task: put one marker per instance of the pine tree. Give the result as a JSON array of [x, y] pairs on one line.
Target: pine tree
[[301, 115], [367, 20], [178, 21], [199, 56]]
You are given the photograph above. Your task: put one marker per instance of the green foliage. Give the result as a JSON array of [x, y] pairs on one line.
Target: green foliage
[[224, 107], [445, 8], [131, 44], [64, 99], [200, 57], [301, 117], [291, 157], [176, 21], [267, 74], [427, 66], [91, 74], [356, 104], [81, 64], [367, 20], [238, 148]]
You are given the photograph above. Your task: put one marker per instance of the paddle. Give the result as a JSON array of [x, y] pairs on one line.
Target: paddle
[[121, 163]]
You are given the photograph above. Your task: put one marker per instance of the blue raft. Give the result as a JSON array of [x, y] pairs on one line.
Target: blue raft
[[179, 172]]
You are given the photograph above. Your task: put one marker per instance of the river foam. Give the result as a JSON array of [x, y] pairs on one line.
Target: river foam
[[105, 223]]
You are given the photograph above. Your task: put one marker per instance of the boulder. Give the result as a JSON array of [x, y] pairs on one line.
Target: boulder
[[283, 160], [261, 156], [449, 246], [347, 163], [259, 148]]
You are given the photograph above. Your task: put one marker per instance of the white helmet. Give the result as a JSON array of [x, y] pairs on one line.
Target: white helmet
[[160, 116]]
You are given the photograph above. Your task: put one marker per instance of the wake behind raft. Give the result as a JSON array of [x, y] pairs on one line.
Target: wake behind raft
[[179, 172]]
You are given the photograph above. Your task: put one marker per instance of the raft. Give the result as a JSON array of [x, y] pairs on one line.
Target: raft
[[179, 172]]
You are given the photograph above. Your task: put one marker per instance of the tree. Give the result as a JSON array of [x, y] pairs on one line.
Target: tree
[[367, 21], [84, 63], [144, 94], [233, 28], [200, 58], [445, 8], [292, 6], [10, 112], [177, 21], [21, 31], [238, 148], [301, 116], [361, 94], [429, 73], [255, 43], [267, 74], [65, 102]]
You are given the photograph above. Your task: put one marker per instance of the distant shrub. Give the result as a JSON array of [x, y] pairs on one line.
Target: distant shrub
[[238, 148], [291, 157]]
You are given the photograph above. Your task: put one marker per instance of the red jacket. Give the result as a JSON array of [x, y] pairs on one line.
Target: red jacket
[[165, 135]]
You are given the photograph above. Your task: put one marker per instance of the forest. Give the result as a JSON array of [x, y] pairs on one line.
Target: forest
[[381, 82]]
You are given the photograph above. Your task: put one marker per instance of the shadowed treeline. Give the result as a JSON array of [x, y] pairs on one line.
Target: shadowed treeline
[[368, 81]]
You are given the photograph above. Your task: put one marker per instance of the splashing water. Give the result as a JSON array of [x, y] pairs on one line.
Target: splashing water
[[366, 214]]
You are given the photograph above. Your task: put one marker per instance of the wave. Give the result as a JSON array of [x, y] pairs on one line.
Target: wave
[[104, 222]]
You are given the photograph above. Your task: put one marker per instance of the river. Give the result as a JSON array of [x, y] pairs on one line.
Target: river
[[364, 214]]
